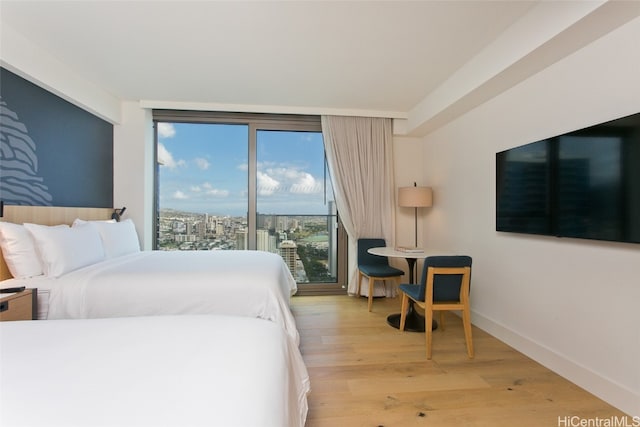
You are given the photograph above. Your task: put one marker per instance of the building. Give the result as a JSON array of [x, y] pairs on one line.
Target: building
[[289, 252], [241, 239]]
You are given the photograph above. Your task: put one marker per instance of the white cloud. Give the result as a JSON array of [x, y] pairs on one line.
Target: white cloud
[[166, 130], [179, 195], [202, 163], [202, 191], [305, 183], [266, 184], [207, 189], [217, 193], [289, 180], [165, 158]]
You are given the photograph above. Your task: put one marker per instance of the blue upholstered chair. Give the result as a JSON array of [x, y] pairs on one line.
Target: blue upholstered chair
[[444, 285], [374, 267]]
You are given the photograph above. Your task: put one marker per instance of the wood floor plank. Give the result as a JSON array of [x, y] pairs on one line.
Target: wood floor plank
[[414, 383], [366, 373]]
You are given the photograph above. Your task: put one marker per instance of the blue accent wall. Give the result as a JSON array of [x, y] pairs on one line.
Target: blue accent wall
[[52, 153]]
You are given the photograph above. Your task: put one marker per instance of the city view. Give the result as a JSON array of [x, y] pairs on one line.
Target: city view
[[307, 243], [212, 177]]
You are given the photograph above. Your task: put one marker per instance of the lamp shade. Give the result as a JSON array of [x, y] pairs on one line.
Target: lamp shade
[[415, 197]]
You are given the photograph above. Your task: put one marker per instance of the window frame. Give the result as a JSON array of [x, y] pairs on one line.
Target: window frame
[[255, 123]]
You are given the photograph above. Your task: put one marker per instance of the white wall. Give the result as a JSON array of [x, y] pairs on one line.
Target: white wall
[[29, 61], [133, 169], [571, 304], [407, 157]]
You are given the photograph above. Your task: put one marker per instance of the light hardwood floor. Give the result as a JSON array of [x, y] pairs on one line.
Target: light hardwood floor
[[365, 373]]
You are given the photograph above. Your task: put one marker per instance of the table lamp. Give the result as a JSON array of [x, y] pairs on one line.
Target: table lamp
[[415, 197]]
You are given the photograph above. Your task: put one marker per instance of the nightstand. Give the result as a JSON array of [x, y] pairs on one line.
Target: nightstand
[[19, 306]]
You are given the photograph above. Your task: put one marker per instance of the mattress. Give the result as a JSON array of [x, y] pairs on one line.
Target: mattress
[[187, 370], [245, 283]]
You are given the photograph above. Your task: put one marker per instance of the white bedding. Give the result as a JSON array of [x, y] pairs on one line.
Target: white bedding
[[247, 283], [151, 371]]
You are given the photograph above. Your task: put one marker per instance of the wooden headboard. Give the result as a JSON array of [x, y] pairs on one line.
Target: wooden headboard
[[47, 215]]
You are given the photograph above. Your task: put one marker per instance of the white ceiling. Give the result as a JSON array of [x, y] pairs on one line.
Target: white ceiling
[[378, 57]]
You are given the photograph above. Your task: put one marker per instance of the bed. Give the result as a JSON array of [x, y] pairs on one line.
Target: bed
[[187, 370], [81, 283]]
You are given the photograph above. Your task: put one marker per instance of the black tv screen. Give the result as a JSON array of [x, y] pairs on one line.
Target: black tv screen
[[583, 184]]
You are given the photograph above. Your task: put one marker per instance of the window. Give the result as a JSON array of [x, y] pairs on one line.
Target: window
[[258, 182]]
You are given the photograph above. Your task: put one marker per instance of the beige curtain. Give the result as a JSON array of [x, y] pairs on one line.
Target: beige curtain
[[360, 159]]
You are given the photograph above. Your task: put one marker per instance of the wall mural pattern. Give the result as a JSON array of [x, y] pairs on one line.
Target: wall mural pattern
[[19, 180], [51, 152]]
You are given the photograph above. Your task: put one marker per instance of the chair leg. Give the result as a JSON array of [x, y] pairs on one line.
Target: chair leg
[[371, 283], [428, 330], [403, 310], [466, 319], [359, 282]]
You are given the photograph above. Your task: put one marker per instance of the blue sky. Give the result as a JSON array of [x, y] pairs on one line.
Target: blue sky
[[204, 169]]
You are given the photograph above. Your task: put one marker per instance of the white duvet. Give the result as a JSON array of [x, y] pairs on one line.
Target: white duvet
[[151, 371], [246, 283]]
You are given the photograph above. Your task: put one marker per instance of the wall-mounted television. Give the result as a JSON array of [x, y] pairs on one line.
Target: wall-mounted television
[[582, 184]]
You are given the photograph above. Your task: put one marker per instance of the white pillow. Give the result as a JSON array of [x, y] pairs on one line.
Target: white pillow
[[118, 238], [78, 221], [19, 251], [66, 249]]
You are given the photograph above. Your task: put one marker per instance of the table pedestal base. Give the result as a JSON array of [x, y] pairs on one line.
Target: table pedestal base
[[414, 322]]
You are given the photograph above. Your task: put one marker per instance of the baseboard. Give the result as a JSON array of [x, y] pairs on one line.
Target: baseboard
[[615, 394]]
